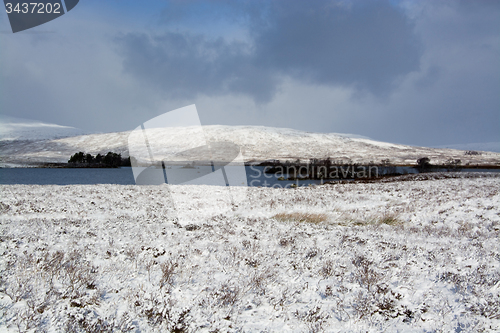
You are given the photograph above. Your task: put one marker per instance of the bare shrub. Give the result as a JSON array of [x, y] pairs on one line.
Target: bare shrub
[[364, 272], [180, 323], [78, 275], [386, 301], [149, 266], [167, 273], [488, 307], [246, 244], [88, 324], [4, 207], [192, 227], [286, 241], [363, 304], [52, 263], [327, 270], [159, 312], [226, 295], [26, 319], [258, 280], [341, 304], [283, 299], [315, 319], [313, 252], [251, 262], [21, 287], [329, 290]]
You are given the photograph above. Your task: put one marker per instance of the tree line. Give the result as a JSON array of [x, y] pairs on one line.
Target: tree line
[[110, 160]]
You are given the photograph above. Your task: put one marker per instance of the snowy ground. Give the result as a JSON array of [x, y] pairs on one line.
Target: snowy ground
[[412, 256]]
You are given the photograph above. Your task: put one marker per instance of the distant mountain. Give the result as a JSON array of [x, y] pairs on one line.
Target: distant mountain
[[257, 144], [12, 128]]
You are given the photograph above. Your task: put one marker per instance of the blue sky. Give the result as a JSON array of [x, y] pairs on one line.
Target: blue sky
[[413, 72]]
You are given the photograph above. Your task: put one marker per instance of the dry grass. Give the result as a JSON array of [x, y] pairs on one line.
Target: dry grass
[[389, 219], [347, 219], [301, 217]]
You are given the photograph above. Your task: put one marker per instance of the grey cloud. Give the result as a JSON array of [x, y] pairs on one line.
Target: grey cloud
[[436, 67], [367, 45], [208, 12], [185, 65], [430, 77]]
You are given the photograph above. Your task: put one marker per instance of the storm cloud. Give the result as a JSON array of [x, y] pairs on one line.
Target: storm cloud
[[183, 66], [412, 72], [366, 45]]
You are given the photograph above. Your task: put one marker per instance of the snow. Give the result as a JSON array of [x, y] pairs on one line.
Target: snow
[[257, 143], [410, 256], [12, 128], [479, 146]]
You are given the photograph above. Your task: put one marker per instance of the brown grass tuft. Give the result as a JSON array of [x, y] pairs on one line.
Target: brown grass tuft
[[301, 217], [390, 219]]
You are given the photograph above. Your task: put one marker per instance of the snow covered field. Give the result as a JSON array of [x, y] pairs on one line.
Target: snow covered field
[[407, 256]]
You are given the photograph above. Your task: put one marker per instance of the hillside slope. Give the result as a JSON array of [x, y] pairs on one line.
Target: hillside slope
[[257, 143], [12, 128]]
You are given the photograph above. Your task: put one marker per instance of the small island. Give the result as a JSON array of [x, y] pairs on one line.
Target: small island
[[85, 160]]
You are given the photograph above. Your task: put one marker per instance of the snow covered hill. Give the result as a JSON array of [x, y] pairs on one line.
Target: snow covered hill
[[12, 128], [481, 146], [257, 143]]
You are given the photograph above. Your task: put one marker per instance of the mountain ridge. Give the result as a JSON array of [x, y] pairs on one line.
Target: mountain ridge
[[257, 143]]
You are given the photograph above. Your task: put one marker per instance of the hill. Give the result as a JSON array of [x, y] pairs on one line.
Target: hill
[[257, 144]]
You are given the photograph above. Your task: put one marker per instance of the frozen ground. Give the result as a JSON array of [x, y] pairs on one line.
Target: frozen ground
[[412, 256]]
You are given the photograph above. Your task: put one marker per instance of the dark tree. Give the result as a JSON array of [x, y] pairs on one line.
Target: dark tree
[[77, 158], [423, 163], [110, 160], [89, 159], [126, 162]]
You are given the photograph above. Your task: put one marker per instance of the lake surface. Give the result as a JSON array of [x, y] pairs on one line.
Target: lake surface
[[61, 176], [124, 176], [121, 176]]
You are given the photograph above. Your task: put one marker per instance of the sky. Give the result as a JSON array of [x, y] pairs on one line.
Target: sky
[[423, 73]]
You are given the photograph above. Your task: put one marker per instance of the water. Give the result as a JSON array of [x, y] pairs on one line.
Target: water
[[62, 176], [124, 176]]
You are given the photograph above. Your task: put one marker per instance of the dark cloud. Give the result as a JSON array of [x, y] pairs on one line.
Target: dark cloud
[[194, 12], [366, 45], [414, 72], [183, 65]]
